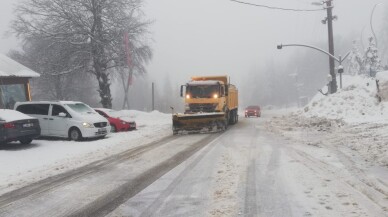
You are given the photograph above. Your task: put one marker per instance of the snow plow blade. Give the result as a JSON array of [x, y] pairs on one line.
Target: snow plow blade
[[198, 123]]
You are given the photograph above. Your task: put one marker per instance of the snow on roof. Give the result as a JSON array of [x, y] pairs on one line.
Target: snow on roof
[[12, 115], [11, 68], [50, 102], [208, 82]]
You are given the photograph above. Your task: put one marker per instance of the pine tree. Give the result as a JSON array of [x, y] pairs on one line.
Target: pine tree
[[355, 60], [372, 62]]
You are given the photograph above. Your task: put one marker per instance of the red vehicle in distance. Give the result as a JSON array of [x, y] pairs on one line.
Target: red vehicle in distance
[[253, 110], [117, 124]]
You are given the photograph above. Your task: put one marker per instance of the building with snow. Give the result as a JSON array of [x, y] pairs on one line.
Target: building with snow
[[14, 82]]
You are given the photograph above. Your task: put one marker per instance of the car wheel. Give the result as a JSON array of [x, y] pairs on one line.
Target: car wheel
[[113, 129], [25, 141], [75, 134]]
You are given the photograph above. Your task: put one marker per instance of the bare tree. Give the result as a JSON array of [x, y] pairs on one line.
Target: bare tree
[[91, 28]]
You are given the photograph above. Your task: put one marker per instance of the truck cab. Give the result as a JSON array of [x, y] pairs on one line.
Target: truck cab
[[204, 96]]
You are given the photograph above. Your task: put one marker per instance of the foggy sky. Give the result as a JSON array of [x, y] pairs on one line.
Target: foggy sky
[[222, 37], [198, 37]]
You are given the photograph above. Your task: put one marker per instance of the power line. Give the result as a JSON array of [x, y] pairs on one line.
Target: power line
[[276, 8]]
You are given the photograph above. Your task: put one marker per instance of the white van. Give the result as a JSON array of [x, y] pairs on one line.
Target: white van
[[73, 120]]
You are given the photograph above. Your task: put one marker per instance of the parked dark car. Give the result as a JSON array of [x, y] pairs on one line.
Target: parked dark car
[[116, 123], [16, 126], [253, 110]]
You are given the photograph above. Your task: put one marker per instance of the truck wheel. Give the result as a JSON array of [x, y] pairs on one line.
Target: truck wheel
[[231, 117], [234, 117]]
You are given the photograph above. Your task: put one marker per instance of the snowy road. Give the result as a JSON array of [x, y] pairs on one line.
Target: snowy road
[[245, 171]]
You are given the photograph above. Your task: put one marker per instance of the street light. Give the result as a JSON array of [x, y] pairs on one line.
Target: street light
[[340, 59], [318, 3], [371, 21]]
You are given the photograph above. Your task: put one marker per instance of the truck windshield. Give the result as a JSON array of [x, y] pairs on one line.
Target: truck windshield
[[203, 91]]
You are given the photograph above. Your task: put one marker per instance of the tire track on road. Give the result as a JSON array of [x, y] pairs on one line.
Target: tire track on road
[[250, 202], [323, 169], [112, 200], [56, 181], [152, 209]]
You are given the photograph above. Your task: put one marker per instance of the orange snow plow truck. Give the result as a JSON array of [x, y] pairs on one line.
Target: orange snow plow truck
[[211, 104]]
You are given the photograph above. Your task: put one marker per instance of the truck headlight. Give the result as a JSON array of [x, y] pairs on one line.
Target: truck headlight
[[215, 96], [87, 125]]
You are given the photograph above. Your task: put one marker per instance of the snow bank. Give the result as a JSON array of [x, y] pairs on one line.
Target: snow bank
[[353, 118], [8, 115], [142, 119], [357, 102], [382, 78]]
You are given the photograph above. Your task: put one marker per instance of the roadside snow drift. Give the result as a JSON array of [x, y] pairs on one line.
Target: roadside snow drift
[[357, 102], [353, 118]]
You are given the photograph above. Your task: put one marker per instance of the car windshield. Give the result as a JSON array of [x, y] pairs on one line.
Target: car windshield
[[202, 91], [80, 108]]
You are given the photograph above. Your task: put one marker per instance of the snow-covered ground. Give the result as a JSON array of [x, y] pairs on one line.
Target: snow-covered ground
[[245, 171], [23, 164], [352, 118]]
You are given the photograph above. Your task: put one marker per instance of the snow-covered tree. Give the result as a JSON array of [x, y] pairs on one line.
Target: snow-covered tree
[[60, 69], [355, 58], [367, 63], [93, 28], [372, 62]]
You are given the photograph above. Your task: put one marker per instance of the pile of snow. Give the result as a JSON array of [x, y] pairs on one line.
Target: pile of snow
[[382, 78], [357, 102], [143, 119]]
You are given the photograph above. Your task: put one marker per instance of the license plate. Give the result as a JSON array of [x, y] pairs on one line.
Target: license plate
[[28, 125], [102, 130]]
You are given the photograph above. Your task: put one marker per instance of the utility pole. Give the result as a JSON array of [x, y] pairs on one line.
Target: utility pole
[[329, 19], [153, 96]]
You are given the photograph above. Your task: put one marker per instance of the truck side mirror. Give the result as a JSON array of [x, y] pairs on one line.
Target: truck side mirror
[[182, 90], [226, 90]]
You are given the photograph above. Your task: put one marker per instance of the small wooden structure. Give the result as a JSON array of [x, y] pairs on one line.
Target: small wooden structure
[[14, 82]]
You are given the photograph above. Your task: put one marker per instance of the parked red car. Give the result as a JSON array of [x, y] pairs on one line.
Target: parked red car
[[253, 110], [117, 124]]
